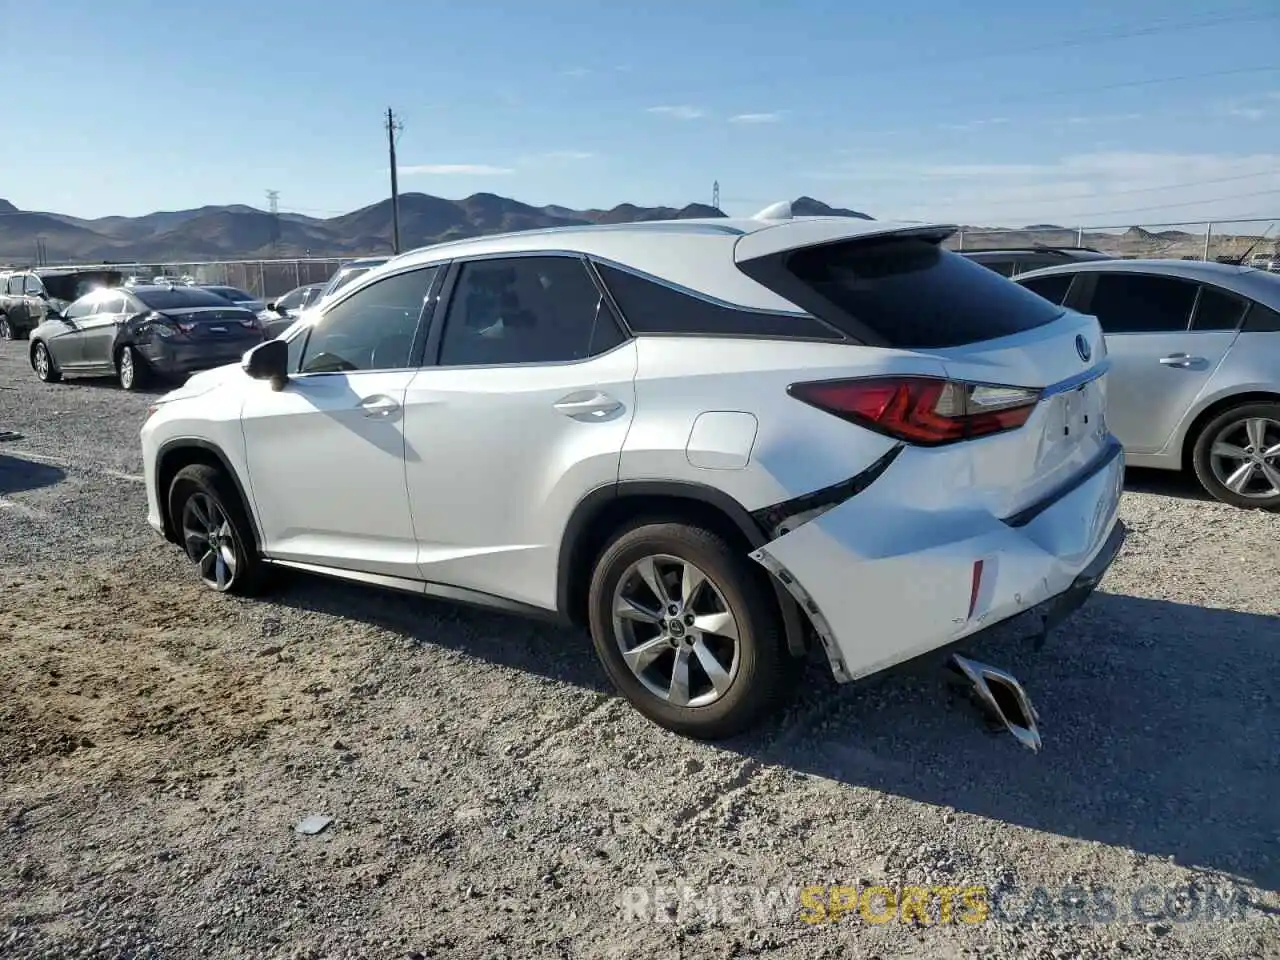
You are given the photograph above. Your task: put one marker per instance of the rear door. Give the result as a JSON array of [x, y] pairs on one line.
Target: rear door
[[1161, 361], [99, 330], [520, 410]]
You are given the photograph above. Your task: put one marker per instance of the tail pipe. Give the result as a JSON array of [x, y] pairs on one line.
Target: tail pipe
[[1000, 694]]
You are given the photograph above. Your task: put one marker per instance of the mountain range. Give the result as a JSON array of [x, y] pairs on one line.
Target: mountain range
[[243, 232]]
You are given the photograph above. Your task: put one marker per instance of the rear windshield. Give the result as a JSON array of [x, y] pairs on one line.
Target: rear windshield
[[73, 286], [179, 297], [231, 293], [916, 295]]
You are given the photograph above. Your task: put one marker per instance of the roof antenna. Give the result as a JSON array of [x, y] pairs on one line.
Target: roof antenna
[[775, 211]]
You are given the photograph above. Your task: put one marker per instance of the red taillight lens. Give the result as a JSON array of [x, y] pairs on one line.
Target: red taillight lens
[[922, 410]]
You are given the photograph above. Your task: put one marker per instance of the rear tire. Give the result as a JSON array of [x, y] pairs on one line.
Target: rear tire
[[706, 658], [42, 363], [131, 369], [1237, 456], [214, 530], [6, 330]]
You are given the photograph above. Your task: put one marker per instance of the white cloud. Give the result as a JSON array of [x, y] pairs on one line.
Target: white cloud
[[974, 124], [756, 118], [1246, 113], [679, 112], [455, 169], [576, 73], [1099, 187]]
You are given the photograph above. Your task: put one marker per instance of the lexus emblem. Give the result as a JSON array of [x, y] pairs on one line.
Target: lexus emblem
[[1083, 348]]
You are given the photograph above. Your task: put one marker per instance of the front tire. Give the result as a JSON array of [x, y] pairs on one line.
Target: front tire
[[686, 631], [1237, 456], [42, 362], [214, 530], [6, 330]]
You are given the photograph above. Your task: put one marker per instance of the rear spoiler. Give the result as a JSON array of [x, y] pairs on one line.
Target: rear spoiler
[[784, 236]]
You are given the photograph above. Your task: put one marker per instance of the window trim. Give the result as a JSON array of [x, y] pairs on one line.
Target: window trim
[[440, 317], [429, 302], [837, 336]]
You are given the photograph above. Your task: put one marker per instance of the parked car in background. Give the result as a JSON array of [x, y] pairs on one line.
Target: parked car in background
[[690, 437], [349, 271], [1195, 354], [240, 298], [283, 312], [28, 296], [138, 332], [1011, 262]]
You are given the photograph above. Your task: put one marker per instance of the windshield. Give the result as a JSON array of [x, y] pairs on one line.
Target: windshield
[[343, 277]]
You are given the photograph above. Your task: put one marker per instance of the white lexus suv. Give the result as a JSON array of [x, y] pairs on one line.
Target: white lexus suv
[[706, 441]]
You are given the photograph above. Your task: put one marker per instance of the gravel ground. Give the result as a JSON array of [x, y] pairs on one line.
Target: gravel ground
[[490, 797]]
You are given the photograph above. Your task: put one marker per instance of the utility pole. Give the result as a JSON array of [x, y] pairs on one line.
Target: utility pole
[[394, 126], [715, 194], [273, 202]]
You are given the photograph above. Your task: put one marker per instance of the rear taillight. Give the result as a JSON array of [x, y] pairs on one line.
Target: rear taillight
[[251, 323], [922, 410]]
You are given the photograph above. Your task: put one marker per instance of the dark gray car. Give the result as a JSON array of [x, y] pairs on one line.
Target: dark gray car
[[139, 332]]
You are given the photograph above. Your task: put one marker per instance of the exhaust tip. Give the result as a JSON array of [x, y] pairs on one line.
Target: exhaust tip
[[1002, 696]]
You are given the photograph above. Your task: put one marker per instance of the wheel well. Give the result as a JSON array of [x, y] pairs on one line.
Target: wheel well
[[1211, 411], [618, 512], [185, 455]]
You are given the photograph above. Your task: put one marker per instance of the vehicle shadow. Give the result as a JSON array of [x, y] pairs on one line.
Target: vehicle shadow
[[17, 475], [1165, 483], [155, 388], [1159, 719]]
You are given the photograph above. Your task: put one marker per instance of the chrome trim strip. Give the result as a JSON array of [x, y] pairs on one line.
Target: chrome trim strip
[[1078, 381]]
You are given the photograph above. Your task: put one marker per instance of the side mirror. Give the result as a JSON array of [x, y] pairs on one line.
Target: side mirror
[[269, 360], [271, 305]]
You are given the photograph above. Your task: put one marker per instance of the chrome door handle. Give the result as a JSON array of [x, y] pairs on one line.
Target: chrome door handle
[[588, 405], [378, 405], [1178, 360]]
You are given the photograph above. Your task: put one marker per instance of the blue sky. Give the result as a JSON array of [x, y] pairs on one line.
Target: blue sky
[[993, 112]]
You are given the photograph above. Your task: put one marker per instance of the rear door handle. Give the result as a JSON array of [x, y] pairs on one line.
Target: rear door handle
[[1179, 360], [378, 405], [588, 405]]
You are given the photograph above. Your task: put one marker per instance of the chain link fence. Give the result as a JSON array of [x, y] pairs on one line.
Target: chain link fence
[[265, 279], [1196, 240]]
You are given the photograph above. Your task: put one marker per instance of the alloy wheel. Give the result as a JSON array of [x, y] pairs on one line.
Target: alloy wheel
[[42, 361], [209, 541], [6, 331], [126, 368], [675, 631], [1245, 457]]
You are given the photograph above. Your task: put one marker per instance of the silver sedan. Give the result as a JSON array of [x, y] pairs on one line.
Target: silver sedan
[[1195, 366]]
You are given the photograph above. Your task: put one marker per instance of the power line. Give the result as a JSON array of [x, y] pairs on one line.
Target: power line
[[1171, 206], [1120, 193]]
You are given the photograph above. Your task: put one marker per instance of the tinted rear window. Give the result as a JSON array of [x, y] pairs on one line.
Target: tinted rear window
[[914, 294], [179, 297], [230, 293], [1052, 287]]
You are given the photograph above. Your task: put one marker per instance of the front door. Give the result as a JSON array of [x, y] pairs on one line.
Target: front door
[[99, 330], [524, 413], [1160, 360], [326, 453]]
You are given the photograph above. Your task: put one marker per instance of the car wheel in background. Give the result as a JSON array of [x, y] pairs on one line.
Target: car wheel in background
[[1237, 456], [42, 363], [214, 530], [6, 331], [685, 629], [131, 369]]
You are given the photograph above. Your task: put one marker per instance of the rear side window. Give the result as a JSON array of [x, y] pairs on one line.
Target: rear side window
[[1218, 310], [1134, 303], [650, 307], [1053, 287], [1261, 319], [914, 294]]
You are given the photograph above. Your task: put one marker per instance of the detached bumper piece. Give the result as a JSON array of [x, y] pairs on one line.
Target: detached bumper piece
[[997, 691]]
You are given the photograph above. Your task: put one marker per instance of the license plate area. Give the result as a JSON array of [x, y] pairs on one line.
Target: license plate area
[[1078, 414]]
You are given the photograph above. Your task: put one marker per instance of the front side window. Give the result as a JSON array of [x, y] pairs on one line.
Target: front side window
[[15, 285], [1137, 303], [291, 300], [109, 303], [33, 288], [81, 308], [526, 310], [373, 329]]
